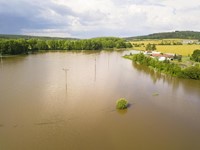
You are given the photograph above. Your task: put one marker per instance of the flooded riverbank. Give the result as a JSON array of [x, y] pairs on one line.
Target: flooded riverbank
[[66, 100]]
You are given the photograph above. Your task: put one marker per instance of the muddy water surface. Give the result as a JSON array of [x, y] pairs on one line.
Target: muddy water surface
[[66, 101]]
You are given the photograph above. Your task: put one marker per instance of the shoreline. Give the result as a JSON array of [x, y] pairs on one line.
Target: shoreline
[[44, 51], [173, 69]]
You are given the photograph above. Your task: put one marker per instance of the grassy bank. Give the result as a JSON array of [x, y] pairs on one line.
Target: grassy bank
[[167, 67]]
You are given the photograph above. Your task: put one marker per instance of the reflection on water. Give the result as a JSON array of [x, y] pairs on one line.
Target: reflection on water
[[122, 112], [36, 112], [1, 61], [189, 86]]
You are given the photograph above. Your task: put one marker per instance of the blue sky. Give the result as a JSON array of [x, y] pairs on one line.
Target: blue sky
[[94, 18]]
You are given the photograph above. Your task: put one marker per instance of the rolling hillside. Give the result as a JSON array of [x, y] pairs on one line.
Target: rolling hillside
[[170, 35]]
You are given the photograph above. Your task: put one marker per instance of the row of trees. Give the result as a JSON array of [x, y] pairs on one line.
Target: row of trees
[[170, 43], [167, 67], [22, 46]]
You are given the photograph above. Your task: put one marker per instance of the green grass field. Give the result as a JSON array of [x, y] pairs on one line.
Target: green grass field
[[184, 50]]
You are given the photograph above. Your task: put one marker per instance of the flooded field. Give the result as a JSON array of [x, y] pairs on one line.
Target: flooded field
[[66, 101]]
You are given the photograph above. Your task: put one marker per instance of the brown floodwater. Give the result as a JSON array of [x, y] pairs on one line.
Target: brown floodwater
[[66, 101]]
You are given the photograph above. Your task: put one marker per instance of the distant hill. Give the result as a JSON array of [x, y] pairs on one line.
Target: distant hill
[[10, 36], [170, 35], [163, 35]]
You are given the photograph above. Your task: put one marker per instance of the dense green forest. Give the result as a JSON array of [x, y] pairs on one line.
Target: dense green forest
[[170, 35], [167, 67], [24, 46]]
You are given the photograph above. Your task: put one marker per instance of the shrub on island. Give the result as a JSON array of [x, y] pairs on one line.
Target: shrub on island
[[122, 103]]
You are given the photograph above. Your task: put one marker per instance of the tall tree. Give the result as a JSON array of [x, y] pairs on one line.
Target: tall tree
[[196, 55]]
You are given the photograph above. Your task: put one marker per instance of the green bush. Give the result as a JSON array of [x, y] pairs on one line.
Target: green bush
[[122, 103], [196, 55], [192, 72]]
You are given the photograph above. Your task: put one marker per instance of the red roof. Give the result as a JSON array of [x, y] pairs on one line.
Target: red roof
[[162, 55]]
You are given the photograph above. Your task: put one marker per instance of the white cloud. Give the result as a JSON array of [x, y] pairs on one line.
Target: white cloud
[[94, 18]]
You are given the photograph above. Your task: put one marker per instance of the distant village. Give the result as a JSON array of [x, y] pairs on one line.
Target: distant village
[[190, 42]]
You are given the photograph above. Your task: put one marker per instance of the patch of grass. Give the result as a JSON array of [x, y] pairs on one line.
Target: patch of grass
[[128, 57], [185, 62], [122, 103]]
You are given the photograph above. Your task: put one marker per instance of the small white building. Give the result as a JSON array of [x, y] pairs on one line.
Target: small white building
[[162, 58], [190, 41]]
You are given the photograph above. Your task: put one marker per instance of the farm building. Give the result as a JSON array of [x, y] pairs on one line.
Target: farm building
[[161, 57]]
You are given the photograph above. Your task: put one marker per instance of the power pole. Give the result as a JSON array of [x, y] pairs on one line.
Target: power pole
[[1, 61], [108, 60], [95, 68], [66, 70]]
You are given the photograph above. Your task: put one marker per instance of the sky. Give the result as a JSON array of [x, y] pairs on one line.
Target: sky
[[97, 18]]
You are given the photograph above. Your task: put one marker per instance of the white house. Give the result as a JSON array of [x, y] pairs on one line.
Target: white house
[[162, 58]]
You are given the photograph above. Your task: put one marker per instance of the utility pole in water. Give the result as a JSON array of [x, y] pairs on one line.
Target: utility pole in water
[[108, 60], [1, 61], [66, 76], [95, 68]]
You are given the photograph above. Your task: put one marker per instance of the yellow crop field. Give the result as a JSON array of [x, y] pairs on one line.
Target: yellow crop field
[[184, 50], [145, 42]]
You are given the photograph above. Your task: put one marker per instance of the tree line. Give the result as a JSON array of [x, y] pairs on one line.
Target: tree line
[[24, 46], [167, 67]]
